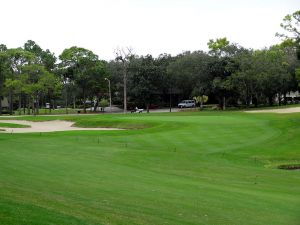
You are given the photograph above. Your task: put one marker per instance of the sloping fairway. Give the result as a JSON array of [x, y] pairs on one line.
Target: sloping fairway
[[179, 168]]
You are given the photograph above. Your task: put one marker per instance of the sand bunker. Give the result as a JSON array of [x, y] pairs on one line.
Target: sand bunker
[[285, 110], [46, 126]]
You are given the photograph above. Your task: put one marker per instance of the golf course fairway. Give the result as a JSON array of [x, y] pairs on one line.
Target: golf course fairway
[[210, 168]]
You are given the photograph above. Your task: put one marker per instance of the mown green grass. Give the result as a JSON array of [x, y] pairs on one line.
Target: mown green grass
[[178, 168], [12, 125]]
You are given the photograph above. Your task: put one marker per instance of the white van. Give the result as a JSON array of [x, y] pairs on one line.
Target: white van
[[187, 104]]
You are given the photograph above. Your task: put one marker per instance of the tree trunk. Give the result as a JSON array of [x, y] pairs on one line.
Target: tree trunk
[[10, 102], [224, 102], [66, 101], [37, 104], [74, 102], [270, 98], [96, 105], [171, 99], [33, 106], [50, 103], [147, 107], [248, 100], [125, 88], [24, 104], [284, 99], [0, 105], [84, 106], [28, 105], [201, 103], [20, 104], [256, 101]]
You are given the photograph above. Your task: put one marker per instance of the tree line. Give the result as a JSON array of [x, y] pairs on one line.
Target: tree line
[[228, 74]]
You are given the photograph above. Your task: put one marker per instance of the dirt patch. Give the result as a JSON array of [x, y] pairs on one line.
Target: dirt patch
[[285, 110], [46, 126], [289, 167]]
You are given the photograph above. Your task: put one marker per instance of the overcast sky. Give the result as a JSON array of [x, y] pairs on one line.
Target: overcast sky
[[148, 26]]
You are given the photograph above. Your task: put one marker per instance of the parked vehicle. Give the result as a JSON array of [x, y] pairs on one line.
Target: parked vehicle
[[187, 104]]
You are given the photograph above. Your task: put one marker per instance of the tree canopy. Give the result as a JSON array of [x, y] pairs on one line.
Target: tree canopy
[[228, 74]]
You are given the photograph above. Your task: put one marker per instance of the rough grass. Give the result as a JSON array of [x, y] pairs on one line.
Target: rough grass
[[181, 168]]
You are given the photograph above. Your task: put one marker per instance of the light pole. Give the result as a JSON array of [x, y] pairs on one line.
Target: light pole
[[109, 92]]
